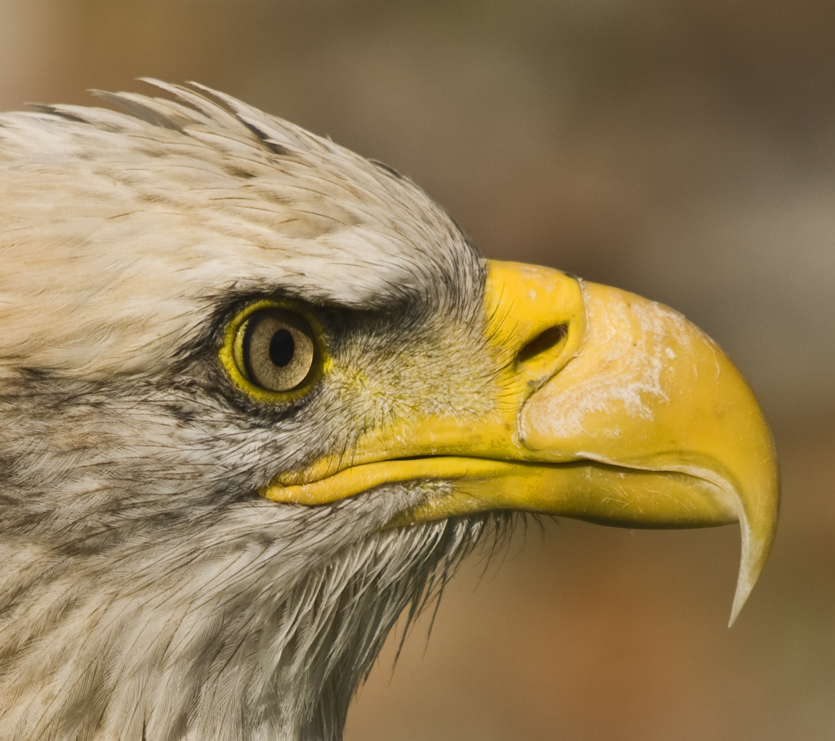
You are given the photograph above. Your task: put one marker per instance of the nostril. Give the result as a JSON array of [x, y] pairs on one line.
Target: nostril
[[543, 343]]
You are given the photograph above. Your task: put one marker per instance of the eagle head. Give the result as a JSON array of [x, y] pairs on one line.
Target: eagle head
[[258, 395]]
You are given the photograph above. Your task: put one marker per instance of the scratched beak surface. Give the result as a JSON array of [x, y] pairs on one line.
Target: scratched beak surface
[[650, 392]]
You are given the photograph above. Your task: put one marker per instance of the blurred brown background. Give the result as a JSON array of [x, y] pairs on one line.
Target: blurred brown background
[[682, 149]]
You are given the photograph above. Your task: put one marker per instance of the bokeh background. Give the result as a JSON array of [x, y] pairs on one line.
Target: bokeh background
[[682, 149]]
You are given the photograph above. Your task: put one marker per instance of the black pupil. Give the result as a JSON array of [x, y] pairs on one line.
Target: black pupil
[[282, 348]]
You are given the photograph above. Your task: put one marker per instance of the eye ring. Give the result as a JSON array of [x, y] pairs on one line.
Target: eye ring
[[273, 352], [277, 349]]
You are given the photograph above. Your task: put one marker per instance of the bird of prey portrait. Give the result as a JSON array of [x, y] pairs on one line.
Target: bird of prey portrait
[[259, 395]]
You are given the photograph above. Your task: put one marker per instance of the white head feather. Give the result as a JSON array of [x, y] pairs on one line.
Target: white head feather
[[147, 591]]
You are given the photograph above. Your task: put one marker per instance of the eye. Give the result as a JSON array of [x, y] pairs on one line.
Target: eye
[[278, 349], [272, 352]]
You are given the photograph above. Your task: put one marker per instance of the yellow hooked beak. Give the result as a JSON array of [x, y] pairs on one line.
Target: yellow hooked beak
[[610, 408]]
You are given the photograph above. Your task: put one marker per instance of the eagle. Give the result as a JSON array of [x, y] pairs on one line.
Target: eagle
[[259, 395]]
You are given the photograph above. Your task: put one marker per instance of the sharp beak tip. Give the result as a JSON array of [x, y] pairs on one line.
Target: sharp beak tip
[[757, 539]]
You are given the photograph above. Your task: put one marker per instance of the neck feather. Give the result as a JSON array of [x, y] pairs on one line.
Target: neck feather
[[257, 625]]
